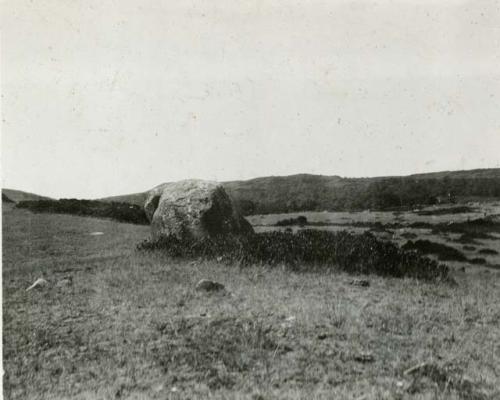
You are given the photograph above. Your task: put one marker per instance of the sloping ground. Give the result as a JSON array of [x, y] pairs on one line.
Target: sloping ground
[[6, 199], [18, 195], [114, 323], [482, 173]]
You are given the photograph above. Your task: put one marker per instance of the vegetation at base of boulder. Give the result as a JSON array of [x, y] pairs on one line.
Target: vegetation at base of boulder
[[477, 260], [121, 212], [306, 249], [300, 221], [442, 251]]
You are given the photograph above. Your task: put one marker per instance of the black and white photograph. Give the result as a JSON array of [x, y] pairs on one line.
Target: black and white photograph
[[250, 200]]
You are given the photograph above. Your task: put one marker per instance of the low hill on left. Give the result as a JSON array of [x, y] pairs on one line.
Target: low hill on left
[[15, 196]]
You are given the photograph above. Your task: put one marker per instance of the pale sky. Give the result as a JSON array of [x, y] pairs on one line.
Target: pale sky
[[110, 97]]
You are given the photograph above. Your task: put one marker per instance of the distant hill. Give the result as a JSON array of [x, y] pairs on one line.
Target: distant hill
[[17, 195], [305, 192], [6, 199], [134, 198]]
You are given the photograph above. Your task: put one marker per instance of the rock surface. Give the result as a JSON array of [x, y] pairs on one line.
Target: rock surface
[[193, 208]]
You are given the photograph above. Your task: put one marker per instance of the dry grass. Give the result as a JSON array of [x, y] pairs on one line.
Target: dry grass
[[131, 325]]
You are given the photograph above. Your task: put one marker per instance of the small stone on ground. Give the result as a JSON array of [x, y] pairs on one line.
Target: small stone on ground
[[364, 357], [206, 285], [39, 283], [360, 282]]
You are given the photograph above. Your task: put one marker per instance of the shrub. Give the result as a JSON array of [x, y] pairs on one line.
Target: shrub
[[442, 251], [488, 251], [300, 220], [479, 228], [449, 210], [359, 254], [477, 260], [122, 212], [409, 235]]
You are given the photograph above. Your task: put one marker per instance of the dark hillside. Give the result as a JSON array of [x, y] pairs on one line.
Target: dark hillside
[[304, 192], [316, 193]]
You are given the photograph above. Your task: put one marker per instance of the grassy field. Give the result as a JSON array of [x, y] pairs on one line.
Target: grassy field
[[432, 224], [113, 323]]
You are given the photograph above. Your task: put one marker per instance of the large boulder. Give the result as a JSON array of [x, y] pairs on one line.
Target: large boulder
[[193, 208]]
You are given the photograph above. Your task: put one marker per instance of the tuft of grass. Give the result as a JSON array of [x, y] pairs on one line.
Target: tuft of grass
[[218, 351], [306, 249]]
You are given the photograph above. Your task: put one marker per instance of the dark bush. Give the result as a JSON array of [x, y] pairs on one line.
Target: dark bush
[[470, 248], [466, 238], [477, 260], [442, 251], [448, 210], [409, 235], [488, 251], [363, 254], [300, 221], [479, 228], [122, 212]]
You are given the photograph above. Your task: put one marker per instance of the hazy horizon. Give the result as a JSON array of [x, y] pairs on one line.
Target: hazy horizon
[[101, 98]]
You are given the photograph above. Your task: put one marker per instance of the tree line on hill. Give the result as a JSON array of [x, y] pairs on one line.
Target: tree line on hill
[[355, 195]]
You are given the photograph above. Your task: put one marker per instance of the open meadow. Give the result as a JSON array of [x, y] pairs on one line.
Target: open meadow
[[471, 230], [115, 323]]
